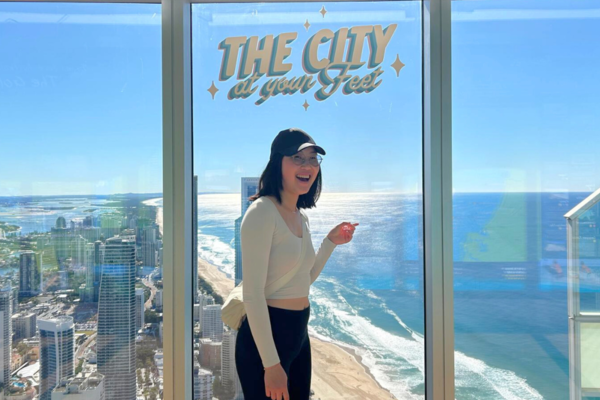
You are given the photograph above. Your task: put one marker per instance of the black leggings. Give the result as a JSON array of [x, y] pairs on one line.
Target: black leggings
[[290, 335]]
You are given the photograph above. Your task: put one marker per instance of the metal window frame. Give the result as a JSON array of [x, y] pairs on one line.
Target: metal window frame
[[177, 199], [437, 199], [178, 183]]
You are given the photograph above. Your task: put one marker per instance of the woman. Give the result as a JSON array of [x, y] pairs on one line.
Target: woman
[[272, 352]]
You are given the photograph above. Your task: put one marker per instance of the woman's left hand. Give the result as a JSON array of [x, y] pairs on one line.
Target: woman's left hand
[[342, 233]]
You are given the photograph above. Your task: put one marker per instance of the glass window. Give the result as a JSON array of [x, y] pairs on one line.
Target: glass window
[[348, 74], [525, 94], [80, 189]]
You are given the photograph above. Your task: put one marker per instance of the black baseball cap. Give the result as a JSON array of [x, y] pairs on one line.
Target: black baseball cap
[[290, 141]]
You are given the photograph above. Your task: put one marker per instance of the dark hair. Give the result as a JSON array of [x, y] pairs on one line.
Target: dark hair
[[271, 183]]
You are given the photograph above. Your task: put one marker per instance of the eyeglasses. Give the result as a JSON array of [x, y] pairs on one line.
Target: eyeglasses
[[314, 161]]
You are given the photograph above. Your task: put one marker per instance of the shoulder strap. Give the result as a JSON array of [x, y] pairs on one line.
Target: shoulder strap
[[275, 286]]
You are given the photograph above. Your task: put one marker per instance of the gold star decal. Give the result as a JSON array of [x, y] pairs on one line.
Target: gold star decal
[[323, 11], [305, 105], [397, 65], [213, 90], [306, 25]]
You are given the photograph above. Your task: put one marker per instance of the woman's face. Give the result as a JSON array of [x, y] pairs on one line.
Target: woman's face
[[293, 173]]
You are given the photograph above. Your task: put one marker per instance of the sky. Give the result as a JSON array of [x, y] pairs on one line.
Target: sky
[[81, 107]]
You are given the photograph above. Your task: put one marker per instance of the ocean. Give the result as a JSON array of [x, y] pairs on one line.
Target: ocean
[[511, 327], [511, 332]]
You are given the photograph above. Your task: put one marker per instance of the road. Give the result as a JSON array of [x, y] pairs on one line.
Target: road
[[81, 349], [148, 283]]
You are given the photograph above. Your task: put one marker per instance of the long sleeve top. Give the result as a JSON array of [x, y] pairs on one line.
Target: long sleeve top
[[269, 251]]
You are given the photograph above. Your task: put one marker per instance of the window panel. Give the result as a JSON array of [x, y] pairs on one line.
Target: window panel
[[525, 86], [80, 186], [262, 68]]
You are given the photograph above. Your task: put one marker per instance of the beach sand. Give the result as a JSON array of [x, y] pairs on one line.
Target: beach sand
[[337, 371]]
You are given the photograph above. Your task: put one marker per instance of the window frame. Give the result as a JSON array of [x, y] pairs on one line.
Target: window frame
[[178, 189]]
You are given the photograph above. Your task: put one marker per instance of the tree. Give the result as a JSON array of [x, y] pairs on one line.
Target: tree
[[151, 317], [79, 367], [22, 349]]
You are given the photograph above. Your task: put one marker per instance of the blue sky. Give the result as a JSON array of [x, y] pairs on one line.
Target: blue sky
[[80, 98]]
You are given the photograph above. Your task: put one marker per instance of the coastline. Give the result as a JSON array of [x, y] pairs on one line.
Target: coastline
[[332, 364]]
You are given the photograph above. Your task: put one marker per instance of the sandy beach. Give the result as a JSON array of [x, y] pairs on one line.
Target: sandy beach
[[337, 372]]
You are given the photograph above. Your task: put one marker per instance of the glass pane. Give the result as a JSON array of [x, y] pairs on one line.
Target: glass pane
[[80, 245], [525, 83], [590, 362], [349, 74], [589, 260]]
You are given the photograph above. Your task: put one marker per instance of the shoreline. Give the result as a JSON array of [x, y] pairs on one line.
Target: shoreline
[[332, 364]]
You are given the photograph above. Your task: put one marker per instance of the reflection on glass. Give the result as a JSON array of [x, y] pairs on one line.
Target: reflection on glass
[[589, 260], [349, 74], [521, 74], [590, 362], [80, 182]]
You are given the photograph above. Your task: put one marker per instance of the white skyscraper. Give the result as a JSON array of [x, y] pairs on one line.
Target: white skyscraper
[[78, 248], [5, 334], [203, 380], [116, 320], [149, 255], [229, 376], [139, 309], [212, 324], [57, 348], [24, 325]]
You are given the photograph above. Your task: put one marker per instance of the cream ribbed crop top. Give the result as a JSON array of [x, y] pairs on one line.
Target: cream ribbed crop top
[[269, 251]]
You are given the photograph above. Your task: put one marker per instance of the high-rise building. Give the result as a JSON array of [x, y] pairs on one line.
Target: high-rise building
[[159, 253], [195, 239], [203, 300], [89, 233], [116, 320], [5, 334], [210, 354], [149, 246], [57, 349], [212, 324], [94, 260], [139, 309], [61, 237], [24, 326], [229, 376], [88, 221], [29, 274], [111, 224], [15, 291], [249, 188], [78, 246], [203, 380], [61, 223], [158, 299], [84, 387]]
